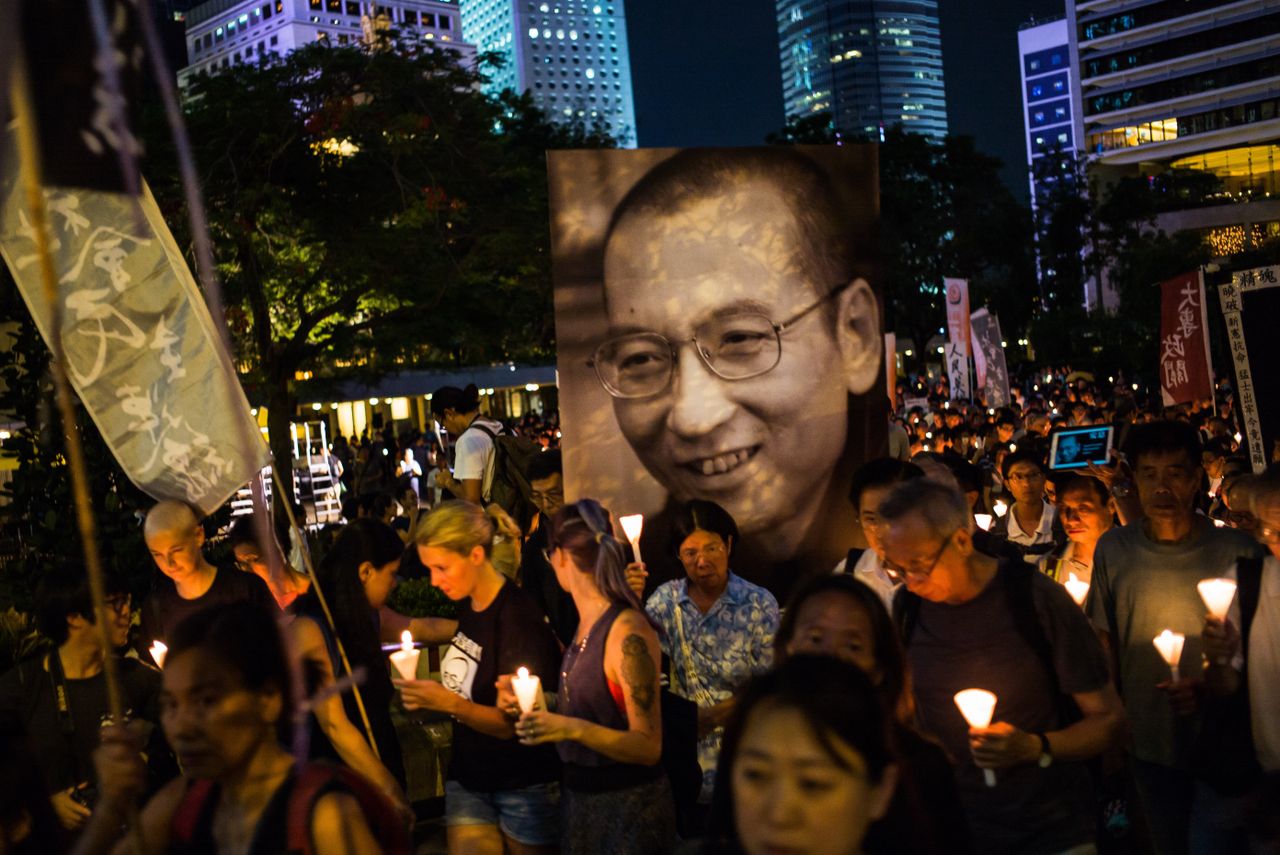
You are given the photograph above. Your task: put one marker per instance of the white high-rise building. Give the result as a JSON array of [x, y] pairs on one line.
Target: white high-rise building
[[570, 55], [221, 33]]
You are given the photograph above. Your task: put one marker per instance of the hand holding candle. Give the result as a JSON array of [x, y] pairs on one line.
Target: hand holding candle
[[406, 658], [977, 706], [1217, 595], [528, 688], [632, 525], [1077, 589], [1169, 643], [158, 651]]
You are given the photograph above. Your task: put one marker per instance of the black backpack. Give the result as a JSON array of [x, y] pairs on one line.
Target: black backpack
[[510, 486]]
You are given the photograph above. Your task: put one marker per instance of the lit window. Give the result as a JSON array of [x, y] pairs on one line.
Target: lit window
[[533, 32], [590, 74]]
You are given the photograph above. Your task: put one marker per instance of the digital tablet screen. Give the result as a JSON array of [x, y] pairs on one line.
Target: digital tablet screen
[[1076, 448]]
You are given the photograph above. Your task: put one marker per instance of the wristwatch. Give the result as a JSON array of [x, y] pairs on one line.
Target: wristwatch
[[1046, 753]]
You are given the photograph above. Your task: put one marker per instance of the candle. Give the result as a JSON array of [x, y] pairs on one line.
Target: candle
[[1217, 595], [983, 521], [1000, 508], [632, 525], [1169, 643], [977, 707], [406, 658], [1077, 589], [528, 689], [1220, 523], [158, 651]]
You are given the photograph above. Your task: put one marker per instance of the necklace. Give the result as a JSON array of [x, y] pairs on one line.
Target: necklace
[[567, 666]]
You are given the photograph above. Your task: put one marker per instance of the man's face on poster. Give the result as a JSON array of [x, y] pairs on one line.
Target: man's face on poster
[[719, 270]]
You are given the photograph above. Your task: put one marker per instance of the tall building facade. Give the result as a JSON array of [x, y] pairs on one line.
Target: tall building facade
[[1047, 113], [570, 55], [221, 33], [871, 64]]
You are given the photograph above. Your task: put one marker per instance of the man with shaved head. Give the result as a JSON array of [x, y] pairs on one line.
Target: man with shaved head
[[187, 582]]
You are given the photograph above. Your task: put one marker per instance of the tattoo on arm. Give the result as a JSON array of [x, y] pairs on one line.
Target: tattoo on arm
[[638, 671]]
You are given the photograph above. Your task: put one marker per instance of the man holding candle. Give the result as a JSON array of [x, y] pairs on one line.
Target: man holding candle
[[1144, 582], [971, 621]]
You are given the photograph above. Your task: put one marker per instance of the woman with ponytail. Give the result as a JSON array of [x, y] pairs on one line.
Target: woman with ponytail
[[608, 723]]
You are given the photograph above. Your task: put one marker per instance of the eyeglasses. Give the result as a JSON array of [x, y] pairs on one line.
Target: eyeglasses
[[556, 495], [710, 551], [737, 346], [1033, 476], [919, 568]]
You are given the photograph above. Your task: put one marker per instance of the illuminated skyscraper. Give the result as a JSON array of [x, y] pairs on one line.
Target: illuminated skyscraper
[[570, 55], [871, 64]]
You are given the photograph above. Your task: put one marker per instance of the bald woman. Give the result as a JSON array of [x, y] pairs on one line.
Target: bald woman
[[188, 582]]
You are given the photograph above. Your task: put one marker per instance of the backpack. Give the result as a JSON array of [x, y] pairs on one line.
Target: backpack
[[313, 780], [1016, 578], [509, 487]]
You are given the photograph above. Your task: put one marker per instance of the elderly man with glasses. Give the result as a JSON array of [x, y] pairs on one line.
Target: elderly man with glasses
[[740, 327], [970, 621]]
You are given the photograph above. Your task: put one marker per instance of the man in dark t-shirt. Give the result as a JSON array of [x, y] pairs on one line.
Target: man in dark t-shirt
[[189, 582], [971, 621]]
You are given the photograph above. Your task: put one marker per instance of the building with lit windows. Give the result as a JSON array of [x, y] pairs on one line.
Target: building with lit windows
[[1186, 92], [871, 64], [570, 55], [1047, 115], [221, 33]]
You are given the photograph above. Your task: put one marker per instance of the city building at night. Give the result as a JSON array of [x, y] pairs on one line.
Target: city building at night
[[221, 33], [870, 64], [1047, 116], [570, 55], [1185, 93]]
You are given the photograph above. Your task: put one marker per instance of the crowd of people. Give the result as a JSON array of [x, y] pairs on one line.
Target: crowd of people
[[697, 714]]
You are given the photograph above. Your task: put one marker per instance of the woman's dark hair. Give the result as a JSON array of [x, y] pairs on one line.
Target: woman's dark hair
[[891, 660], [63, 591], [244, 636], [701, 515], [338, 575], [836, 700], [584, 532], [452, 398]]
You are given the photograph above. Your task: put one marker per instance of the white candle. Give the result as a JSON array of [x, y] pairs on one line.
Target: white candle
[[632, 525], [158, 651], [1077, 589], [1169, 643], [977, 706], [1220, 523], [983, 521], [1217, 595], [527, 688], [406, 658], [1000, 508]]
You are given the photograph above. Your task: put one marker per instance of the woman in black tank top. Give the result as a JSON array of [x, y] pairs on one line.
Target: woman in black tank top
[[608, 724]]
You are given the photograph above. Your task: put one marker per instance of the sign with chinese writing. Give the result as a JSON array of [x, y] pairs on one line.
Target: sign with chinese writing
[[988, 358], [141, 348], [1250, 306], [957, 348], [1185, 372]]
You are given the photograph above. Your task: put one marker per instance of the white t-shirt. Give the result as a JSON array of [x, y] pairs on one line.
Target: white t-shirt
[[1043, 532], [473, 455], [1264, 665]]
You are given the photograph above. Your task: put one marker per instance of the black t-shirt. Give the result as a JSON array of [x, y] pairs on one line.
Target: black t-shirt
[[977, 645], [164, 609], [66, 759], [510, 633], [538, 579]]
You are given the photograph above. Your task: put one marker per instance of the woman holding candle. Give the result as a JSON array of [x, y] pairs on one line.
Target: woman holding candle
[[608, 724], [498, 792]]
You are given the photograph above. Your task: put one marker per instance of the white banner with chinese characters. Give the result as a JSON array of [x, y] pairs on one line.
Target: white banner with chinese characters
[[957, 347], [1250, 306], [141, 348]]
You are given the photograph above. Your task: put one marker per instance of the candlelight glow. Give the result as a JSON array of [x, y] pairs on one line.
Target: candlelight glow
[[526, 688], [1000, 508], [983, 521], [158, 651], [977, 706], [632, 525], [406, 658], [1217, 595], [1169, 643], [1077, 589]]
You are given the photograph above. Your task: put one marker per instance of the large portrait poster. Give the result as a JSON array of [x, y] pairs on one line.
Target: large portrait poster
[[719, 338]]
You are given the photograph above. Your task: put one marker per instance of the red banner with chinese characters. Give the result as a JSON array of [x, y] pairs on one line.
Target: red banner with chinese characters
[[1185, 372]]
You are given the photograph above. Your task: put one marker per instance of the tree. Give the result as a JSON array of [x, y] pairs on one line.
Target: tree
[[369, 209]]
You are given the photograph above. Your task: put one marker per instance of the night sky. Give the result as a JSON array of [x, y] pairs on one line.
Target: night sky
[[705, 72]]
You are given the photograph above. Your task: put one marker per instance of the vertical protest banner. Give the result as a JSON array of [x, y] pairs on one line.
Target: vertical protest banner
[[141, 349], [988, 357], [891, 368], [1185, 372], [957, 347], [1250, 305]]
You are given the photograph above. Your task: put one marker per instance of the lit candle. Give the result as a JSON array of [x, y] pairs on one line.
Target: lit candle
[[406, 658], [1000, 508], [1077, 589], [528, 688], [1239, 437], [977, 706], [632, 525], [158, 651], [1220, 523], [983, 521], [1169, 643], [1217, 595]]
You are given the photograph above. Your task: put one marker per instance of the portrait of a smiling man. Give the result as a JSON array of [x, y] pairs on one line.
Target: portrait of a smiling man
[[736, 343]]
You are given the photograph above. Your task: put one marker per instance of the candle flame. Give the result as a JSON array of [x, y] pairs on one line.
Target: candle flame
[[406, 640], [632, 525], [1169, 643], [522, 672], [977, 706], [1217, 595]]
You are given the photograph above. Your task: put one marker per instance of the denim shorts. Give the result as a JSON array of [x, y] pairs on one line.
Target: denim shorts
[[530, 815]]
